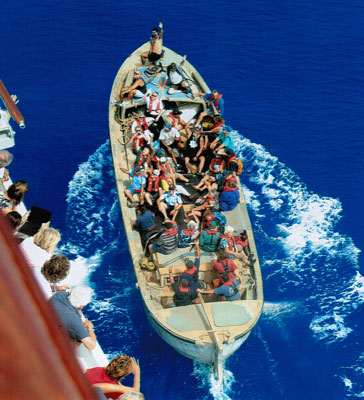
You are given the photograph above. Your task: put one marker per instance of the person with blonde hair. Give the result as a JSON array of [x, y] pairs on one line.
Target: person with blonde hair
[[39, 248], [109, 378]]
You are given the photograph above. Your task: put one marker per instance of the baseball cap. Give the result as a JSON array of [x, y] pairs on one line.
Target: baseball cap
[[213, 224]]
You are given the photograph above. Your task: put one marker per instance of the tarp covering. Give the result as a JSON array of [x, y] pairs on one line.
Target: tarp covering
[[227, 314]]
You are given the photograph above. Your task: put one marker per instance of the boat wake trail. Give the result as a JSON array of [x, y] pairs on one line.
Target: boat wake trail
[[303, 254], [204, 374]]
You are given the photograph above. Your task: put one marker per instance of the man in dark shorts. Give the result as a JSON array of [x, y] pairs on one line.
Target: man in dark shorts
[[156, 46]]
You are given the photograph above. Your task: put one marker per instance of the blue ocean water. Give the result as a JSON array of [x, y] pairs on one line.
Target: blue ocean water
[[292, 78]]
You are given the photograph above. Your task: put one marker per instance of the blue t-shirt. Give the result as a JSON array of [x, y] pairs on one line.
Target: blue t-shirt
[[145, 221], [71, 320], [221, 103], [137, 181], [230, 292], [171, 199]]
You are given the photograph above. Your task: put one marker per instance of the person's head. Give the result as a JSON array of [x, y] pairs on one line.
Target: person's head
[[191, 225], [156, 172], [141, 209], [47, 239], [225, 277], [215, 93], [22, 186], [137, 74], [80, 296], [222, 255], [119, 367], [243, 235], [163, 160], [168, 126], [169, 225], [56, 268], [173, 66], [229, 231], [184, 283], [172, 189], [146, 151], [189, 263], [155, 94], [141, 115], [218, 118], [213, 225], [15, 195], [132, 396], [231, 184], [154, 32], [138, 170], [176, 111], [5, 158], [15, 218]]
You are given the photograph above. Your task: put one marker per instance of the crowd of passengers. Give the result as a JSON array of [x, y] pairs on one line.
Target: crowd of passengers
[[170, 154], [50, 268]]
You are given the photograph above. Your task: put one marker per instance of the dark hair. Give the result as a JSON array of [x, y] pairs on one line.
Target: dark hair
[[56, 268], [14, 218], [155, 29], [15, 194], [185, 283], [243, 234], [222, 255], [142, 208], [119, 367], [169, 225], [225, 277]]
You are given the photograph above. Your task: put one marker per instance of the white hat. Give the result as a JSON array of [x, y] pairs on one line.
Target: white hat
[[162, 159], [229, 229], [156, 172]]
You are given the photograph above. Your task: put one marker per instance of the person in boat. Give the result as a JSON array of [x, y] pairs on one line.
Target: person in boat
[[137, 140], [155, 110], [166, 164], [170, 139], [243, 241], [224, 142], [5, 160], [224, 264], [109, 378], [39, 248], [174, 117], [143, 159], [145, 223], [170, 203], [168, 240], [136, 90], [193, 151], [210, 238], [209, 200], [156, 46], [215, 104], [69, 308], [138, 181], [153, 186], [227, 243], [186, 237], [143, 122], [52, 272], [229, 288], [191, 273], [184, 295], [208, 181], [174, 78], [169, 179], [213, 132], [230, 197]]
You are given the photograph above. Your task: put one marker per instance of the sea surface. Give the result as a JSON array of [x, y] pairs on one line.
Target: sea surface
[[292, 76]]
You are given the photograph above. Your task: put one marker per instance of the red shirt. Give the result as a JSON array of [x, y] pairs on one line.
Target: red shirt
[[98, 375], [219, 267]]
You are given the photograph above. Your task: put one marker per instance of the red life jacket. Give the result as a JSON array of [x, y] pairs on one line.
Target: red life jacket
[[143, 160], [183, 289], [231, 178], [151, 102], [215, 161], [229, 189], [144, 126], [229, 282], [230, 242], [210, 232], [171, 231], [175, 119], [153, 183], [190, 271], [136, 139], [215, 101]]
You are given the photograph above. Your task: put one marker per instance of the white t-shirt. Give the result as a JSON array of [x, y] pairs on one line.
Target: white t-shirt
[[175, 78], [168, 135]]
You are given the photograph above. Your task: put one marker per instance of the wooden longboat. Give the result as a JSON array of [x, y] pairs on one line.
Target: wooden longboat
[[213, 330]]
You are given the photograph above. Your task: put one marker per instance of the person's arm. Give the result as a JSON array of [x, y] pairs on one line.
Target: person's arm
[[89, 341], [197, 249], [133, 86], [136, 371], [123, 169], [161, 30], [208, 291], [171, 277], [113, 388]]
